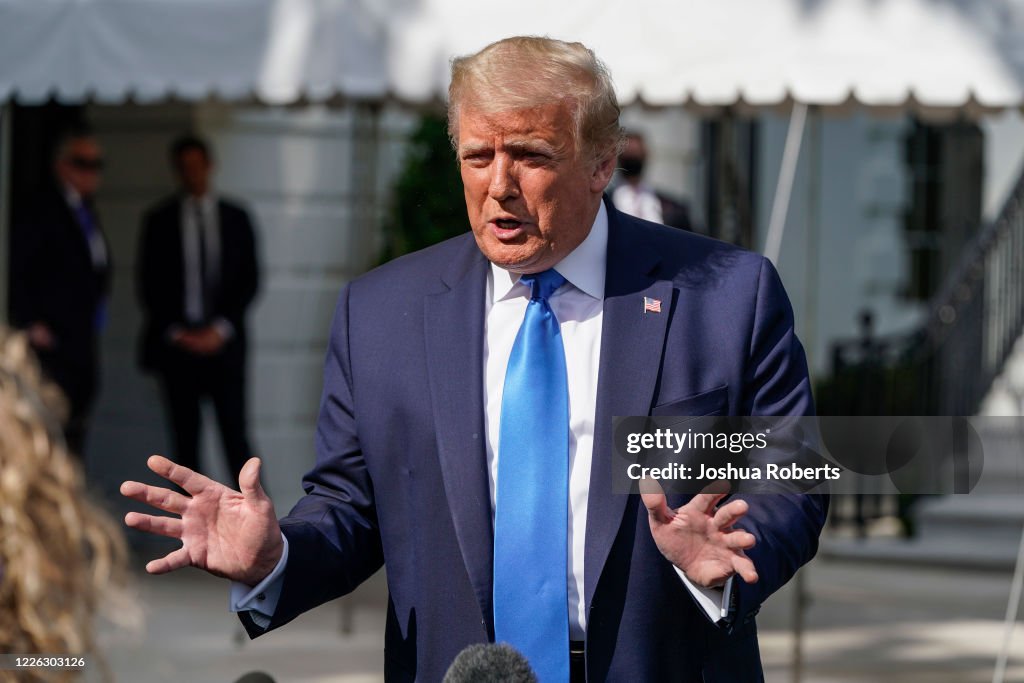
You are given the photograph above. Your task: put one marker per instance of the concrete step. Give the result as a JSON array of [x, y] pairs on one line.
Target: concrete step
[[952, 519], [965, 554], [956, 531]]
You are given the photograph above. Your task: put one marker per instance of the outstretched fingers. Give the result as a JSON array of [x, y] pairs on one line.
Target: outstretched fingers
[[710, 496], [160, 498], [738, 539], [655, 501], [249, 479], [744, 567], [191, 481], [730, 513], [164, 526], [177, 559]]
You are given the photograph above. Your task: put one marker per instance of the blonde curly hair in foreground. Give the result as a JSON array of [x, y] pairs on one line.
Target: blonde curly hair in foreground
[[62, 559]]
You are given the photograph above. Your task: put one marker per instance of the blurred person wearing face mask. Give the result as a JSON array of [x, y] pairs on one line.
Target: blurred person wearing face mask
[[633, 196], [60, 277]]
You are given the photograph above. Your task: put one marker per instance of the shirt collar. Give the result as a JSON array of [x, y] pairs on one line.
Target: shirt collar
[[72, 197], [205, 202], [583, 267]]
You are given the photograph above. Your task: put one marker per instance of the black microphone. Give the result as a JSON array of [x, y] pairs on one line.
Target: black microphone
[[490, 663], [255, 677]]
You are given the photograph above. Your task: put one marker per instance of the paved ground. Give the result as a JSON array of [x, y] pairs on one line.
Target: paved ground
[[865, 622]]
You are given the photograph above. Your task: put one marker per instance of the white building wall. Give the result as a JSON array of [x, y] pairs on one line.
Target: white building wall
[[843, 249], [1004, 159]]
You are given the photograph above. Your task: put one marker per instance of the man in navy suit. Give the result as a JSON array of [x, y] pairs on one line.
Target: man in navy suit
[[425, 424]]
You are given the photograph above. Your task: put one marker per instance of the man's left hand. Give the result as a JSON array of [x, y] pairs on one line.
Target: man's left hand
[[700, 539]]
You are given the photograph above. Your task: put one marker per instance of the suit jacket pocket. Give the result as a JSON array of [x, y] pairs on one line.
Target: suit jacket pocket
[[712, 402]]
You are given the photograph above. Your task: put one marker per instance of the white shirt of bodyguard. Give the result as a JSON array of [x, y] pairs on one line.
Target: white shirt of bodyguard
[[578, 305], [194, 209]]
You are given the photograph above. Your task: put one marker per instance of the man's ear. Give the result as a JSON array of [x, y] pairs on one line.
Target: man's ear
[[603, 170]]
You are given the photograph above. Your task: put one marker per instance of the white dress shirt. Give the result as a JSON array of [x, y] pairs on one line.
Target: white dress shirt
[[195, 306], [638, 200], [97, 247], [579, 307]]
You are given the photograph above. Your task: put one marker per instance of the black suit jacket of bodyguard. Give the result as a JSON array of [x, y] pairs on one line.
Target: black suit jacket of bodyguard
[[161, 278], [54, 281], [401, 471]]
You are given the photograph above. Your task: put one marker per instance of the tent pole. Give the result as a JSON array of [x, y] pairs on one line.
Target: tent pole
[[784, 188], [6, 113], [1016, 588]]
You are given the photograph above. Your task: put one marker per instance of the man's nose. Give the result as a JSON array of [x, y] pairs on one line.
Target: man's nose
[[504, 184]]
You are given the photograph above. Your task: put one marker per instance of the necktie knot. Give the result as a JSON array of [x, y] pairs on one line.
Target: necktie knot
[[542, 285]]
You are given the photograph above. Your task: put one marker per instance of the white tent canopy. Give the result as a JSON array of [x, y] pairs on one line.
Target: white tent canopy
[[930, 54]]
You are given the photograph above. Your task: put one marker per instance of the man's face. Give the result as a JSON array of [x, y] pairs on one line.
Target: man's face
[[80, 165], [193, 169], [530, 196]]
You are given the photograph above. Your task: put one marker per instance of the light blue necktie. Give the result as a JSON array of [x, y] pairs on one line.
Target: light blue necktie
[[531, 512]]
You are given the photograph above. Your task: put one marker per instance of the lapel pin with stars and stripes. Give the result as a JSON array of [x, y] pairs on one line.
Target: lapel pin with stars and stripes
[[652, 305]]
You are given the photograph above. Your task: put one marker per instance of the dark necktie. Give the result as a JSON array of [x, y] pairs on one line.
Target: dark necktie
[[531, 511], [203, 257], [87, 224]]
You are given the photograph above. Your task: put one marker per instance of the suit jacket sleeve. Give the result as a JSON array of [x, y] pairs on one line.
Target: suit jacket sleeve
[[150, 275], [333, 536], [786, 525]]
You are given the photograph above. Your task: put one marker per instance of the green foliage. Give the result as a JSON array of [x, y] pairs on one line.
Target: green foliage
[[428, 201]]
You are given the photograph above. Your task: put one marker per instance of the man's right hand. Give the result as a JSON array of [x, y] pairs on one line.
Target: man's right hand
[[228, 533]]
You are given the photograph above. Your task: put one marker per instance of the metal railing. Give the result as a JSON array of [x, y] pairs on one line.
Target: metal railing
[[978, 314], [950, 362]]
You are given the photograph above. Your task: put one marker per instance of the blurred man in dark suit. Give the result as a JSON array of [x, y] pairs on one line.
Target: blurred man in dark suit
[[60, 277], [197, 276]]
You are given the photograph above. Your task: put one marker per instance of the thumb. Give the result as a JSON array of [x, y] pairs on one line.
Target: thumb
[[249, 479], [655, 501]]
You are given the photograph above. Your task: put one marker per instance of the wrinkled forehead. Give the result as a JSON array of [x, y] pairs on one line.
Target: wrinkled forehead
[[552, 121]]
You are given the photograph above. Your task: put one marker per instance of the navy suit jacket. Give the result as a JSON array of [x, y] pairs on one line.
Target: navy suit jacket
[[401, 476]]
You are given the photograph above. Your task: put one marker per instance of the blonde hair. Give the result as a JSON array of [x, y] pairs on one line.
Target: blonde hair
[[62, 559], [529, 71]]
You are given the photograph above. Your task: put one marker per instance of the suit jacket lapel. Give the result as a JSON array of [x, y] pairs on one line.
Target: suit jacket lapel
[[454, 327], [631, 348]]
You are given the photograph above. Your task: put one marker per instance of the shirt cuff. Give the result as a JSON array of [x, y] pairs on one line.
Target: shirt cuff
[[224, 328], [260, 600], [714, 601]]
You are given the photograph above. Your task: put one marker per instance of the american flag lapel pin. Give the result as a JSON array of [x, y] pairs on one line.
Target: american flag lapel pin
[[652, 305]]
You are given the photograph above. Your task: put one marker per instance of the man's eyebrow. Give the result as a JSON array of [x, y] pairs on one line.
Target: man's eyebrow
[[531, 145], [475, 147]]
